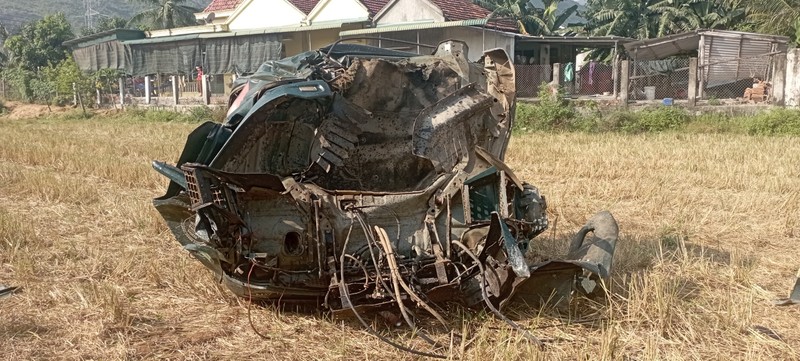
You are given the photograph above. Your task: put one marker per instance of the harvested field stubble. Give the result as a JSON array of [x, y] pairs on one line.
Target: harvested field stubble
[[709, 233]]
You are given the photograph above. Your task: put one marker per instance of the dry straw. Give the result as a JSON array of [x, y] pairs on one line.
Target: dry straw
[[709, 224]]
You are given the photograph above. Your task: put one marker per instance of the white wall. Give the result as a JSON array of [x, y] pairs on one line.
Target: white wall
[[405, 11], [792, 92], [478, 43], [337, 10], [259, 14]]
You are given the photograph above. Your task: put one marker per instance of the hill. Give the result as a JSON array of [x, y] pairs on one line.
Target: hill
[[14, 13]]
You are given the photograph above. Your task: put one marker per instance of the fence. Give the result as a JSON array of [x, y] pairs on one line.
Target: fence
[[530, 77], [659, 79], [749, 78], [593, 78], [8, 92]]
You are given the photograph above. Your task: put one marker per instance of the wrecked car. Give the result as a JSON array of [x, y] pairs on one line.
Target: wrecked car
[[358, 179]]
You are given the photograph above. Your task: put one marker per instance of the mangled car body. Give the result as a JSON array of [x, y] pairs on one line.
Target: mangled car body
[[360, 178]]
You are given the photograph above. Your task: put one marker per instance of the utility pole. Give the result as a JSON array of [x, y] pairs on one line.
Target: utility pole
[[89, 13]]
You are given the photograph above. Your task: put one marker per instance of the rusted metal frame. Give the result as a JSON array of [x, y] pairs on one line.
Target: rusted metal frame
[[316, 202]]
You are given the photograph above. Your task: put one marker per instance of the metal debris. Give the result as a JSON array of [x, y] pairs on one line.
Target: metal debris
[[7, 291], [794, 295], [366, 180]]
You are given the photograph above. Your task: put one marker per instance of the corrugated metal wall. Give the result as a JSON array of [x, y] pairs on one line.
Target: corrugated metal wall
[[732, 57]]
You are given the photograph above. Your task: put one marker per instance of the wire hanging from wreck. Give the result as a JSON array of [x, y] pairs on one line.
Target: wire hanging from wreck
[[527, 334], [345, 295]]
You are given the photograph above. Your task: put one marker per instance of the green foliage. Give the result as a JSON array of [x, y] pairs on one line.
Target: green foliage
[[551, 112], [65, 75], [530, 19], [165, 14], [590, 119], [204, 113], [39, 44], [780, 17], [656, 119], [645, 19], [777, 121], [197, 114], [18, 80], [105, 24]]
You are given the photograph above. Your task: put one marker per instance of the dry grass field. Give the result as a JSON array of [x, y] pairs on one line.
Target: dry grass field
[[709, 224]]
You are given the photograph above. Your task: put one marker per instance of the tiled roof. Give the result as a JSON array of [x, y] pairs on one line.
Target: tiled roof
[[219, 5], [304, 5], [374, 6], [456, 10]]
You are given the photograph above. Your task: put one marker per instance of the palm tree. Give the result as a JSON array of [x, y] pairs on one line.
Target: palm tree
[[776, 17], [530, 19], [687, 15], [518, 10], [164, 14], [640, 19], [548, 21]]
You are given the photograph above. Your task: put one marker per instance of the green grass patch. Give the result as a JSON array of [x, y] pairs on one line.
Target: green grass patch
[[554, 113]]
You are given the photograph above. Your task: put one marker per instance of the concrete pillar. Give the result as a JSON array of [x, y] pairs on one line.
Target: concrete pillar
[[147, 89], [97, 91], [206, 94], [792, 89], [121, 92], [691, 93], [74, 94], [615, 75], [778, 79], [624, 81], [174, 81], [556, 74]]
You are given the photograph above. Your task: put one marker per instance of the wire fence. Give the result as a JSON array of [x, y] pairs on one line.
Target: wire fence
[[659, 79], [590, 79], [747, 78], [530, 77], [8, 92]]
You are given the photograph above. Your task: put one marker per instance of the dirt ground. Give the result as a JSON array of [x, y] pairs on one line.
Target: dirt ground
[[709, 239], [19, 110]]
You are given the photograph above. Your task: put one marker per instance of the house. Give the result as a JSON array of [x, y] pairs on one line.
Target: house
[[236, 36]]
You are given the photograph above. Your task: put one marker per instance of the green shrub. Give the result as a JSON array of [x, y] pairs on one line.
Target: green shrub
[[655, 120], [552, 112], [776, 121]]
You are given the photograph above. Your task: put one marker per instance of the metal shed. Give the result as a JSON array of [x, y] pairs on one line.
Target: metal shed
[[723, 56]]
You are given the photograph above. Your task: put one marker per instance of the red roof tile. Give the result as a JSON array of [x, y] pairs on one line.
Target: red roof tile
[[219, 5], [374, 6], [304, 5], [456, 10]]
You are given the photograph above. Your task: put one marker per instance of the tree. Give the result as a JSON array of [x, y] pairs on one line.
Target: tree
[[105, 24], [164, 14], [548, 20], [39, 43], [3, 38], [780, 17], [530, 19], [638, 19], [518, 10]]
